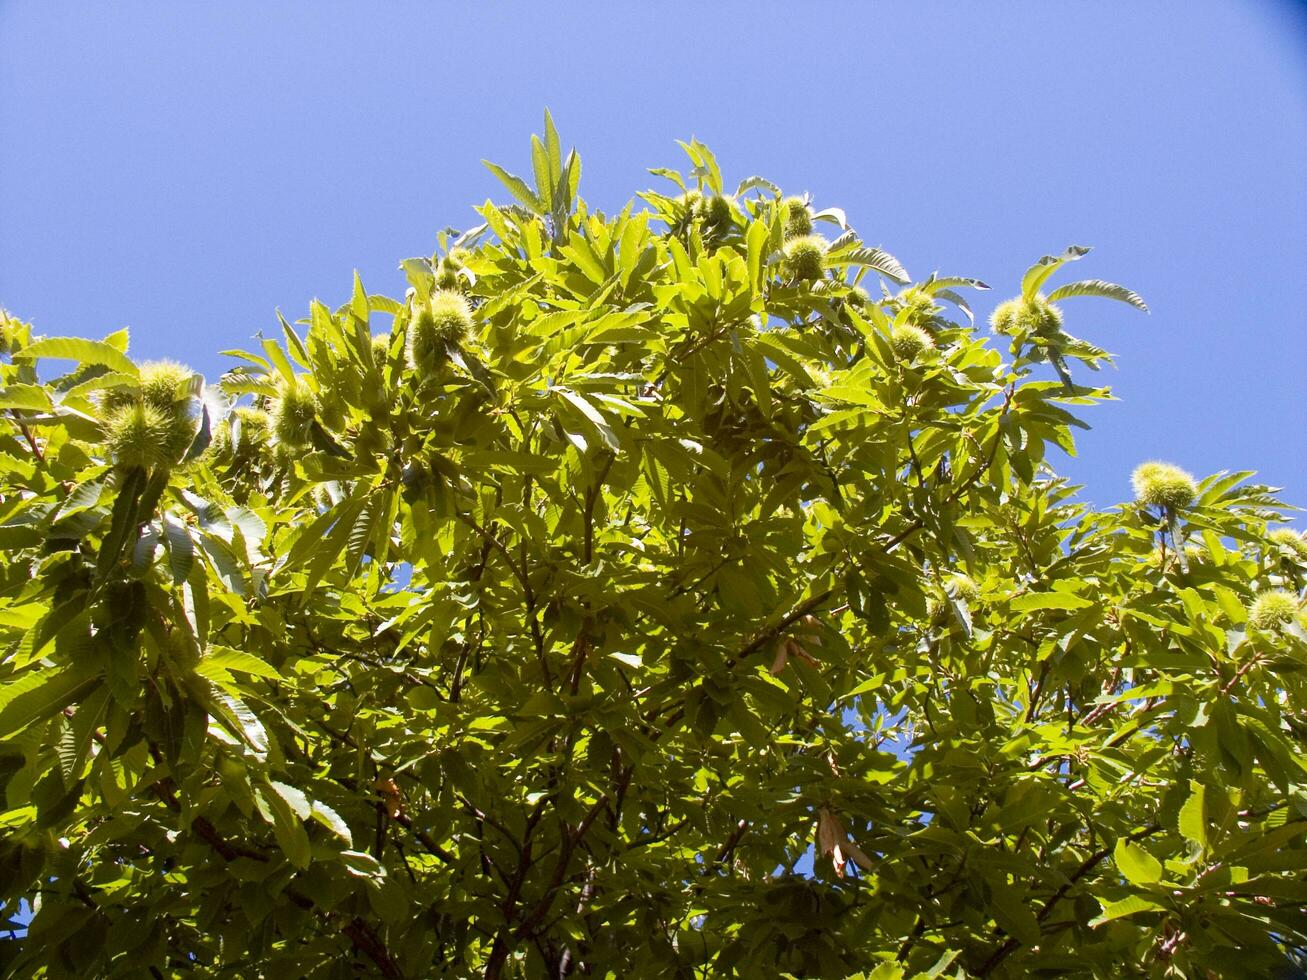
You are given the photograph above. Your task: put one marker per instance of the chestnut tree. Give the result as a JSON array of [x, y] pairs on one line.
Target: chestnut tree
[[682, 592]]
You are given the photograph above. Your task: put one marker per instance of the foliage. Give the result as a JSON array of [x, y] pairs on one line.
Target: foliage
[[684, 611]]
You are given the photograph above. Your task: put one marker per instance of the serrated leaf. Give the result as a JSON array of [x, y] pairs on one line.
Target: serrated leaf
[[630, 659], [544, 180], [571, 178], [287, 827], [593, 416], [937, 284], [672, 175], [941, 964], [877, 260], [293, 797], [31, 398], [1130, 905], [889, 970], [203, 437], [958, 301], [181, 549], [1136, 864], [226, 564], [756, 245], [119, 339], [553, 148], [278, 359], [835, 216], [236, 717], [362, 865], [225, 658], [1038, 273], [1049, 600], [253, 529], [347, 514], [41, 694], [1192, 822], [1097, 287], [332, 820], [749, 183], [123, 523], [1013, 915], [84, 351], [360, 534], [517, 187]]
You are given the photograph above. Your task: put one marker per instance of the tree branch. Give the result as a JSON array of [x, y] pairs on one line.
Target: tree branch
[[1089, 864]]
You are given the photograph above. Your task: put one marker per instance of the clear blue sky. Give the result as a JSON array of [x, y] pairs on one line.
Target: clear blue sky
[[187, 168]]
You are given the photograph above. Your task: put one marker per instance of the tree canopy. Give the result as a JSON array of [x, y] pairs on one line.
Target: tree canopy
[[686, 592]]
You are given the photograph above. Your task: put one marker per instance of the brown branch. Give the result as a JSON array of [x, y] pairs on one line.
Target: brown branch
[[363, 936], [31, 440], [1240, 673], [591, 497], [359, 932], [528, 927], [728, 848], [405, 821], [980, 470], [772, 632], [1089, 864], [1037, 692], [528, 594]]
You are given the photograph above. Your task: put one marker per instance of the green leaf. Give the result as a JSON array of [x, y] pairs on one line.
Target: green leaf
[[1138, 866], [41, 695], [85, 351], [360, 533], [236, 716], [670, 174], [203, 437], [939, 284], [756, 244], [571, 178], [942, 964], [544, 181], [1097, 287], [630, 659], [1049, 600], [1192, 821], [253, 529], [181, 549], [225, 658], [332, 820], [1038, 273], [593, 416], [123, 523], [118, 339], [761, 183], [835, 216], [517, 187], [295, 799], [1014, 916], [1122, 908], [584, 258], [889, 970], [328, 549], [875, 259], [287, 827], [553, 149], [362, 865], [32, 398], [226, 564], [277, 358]]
